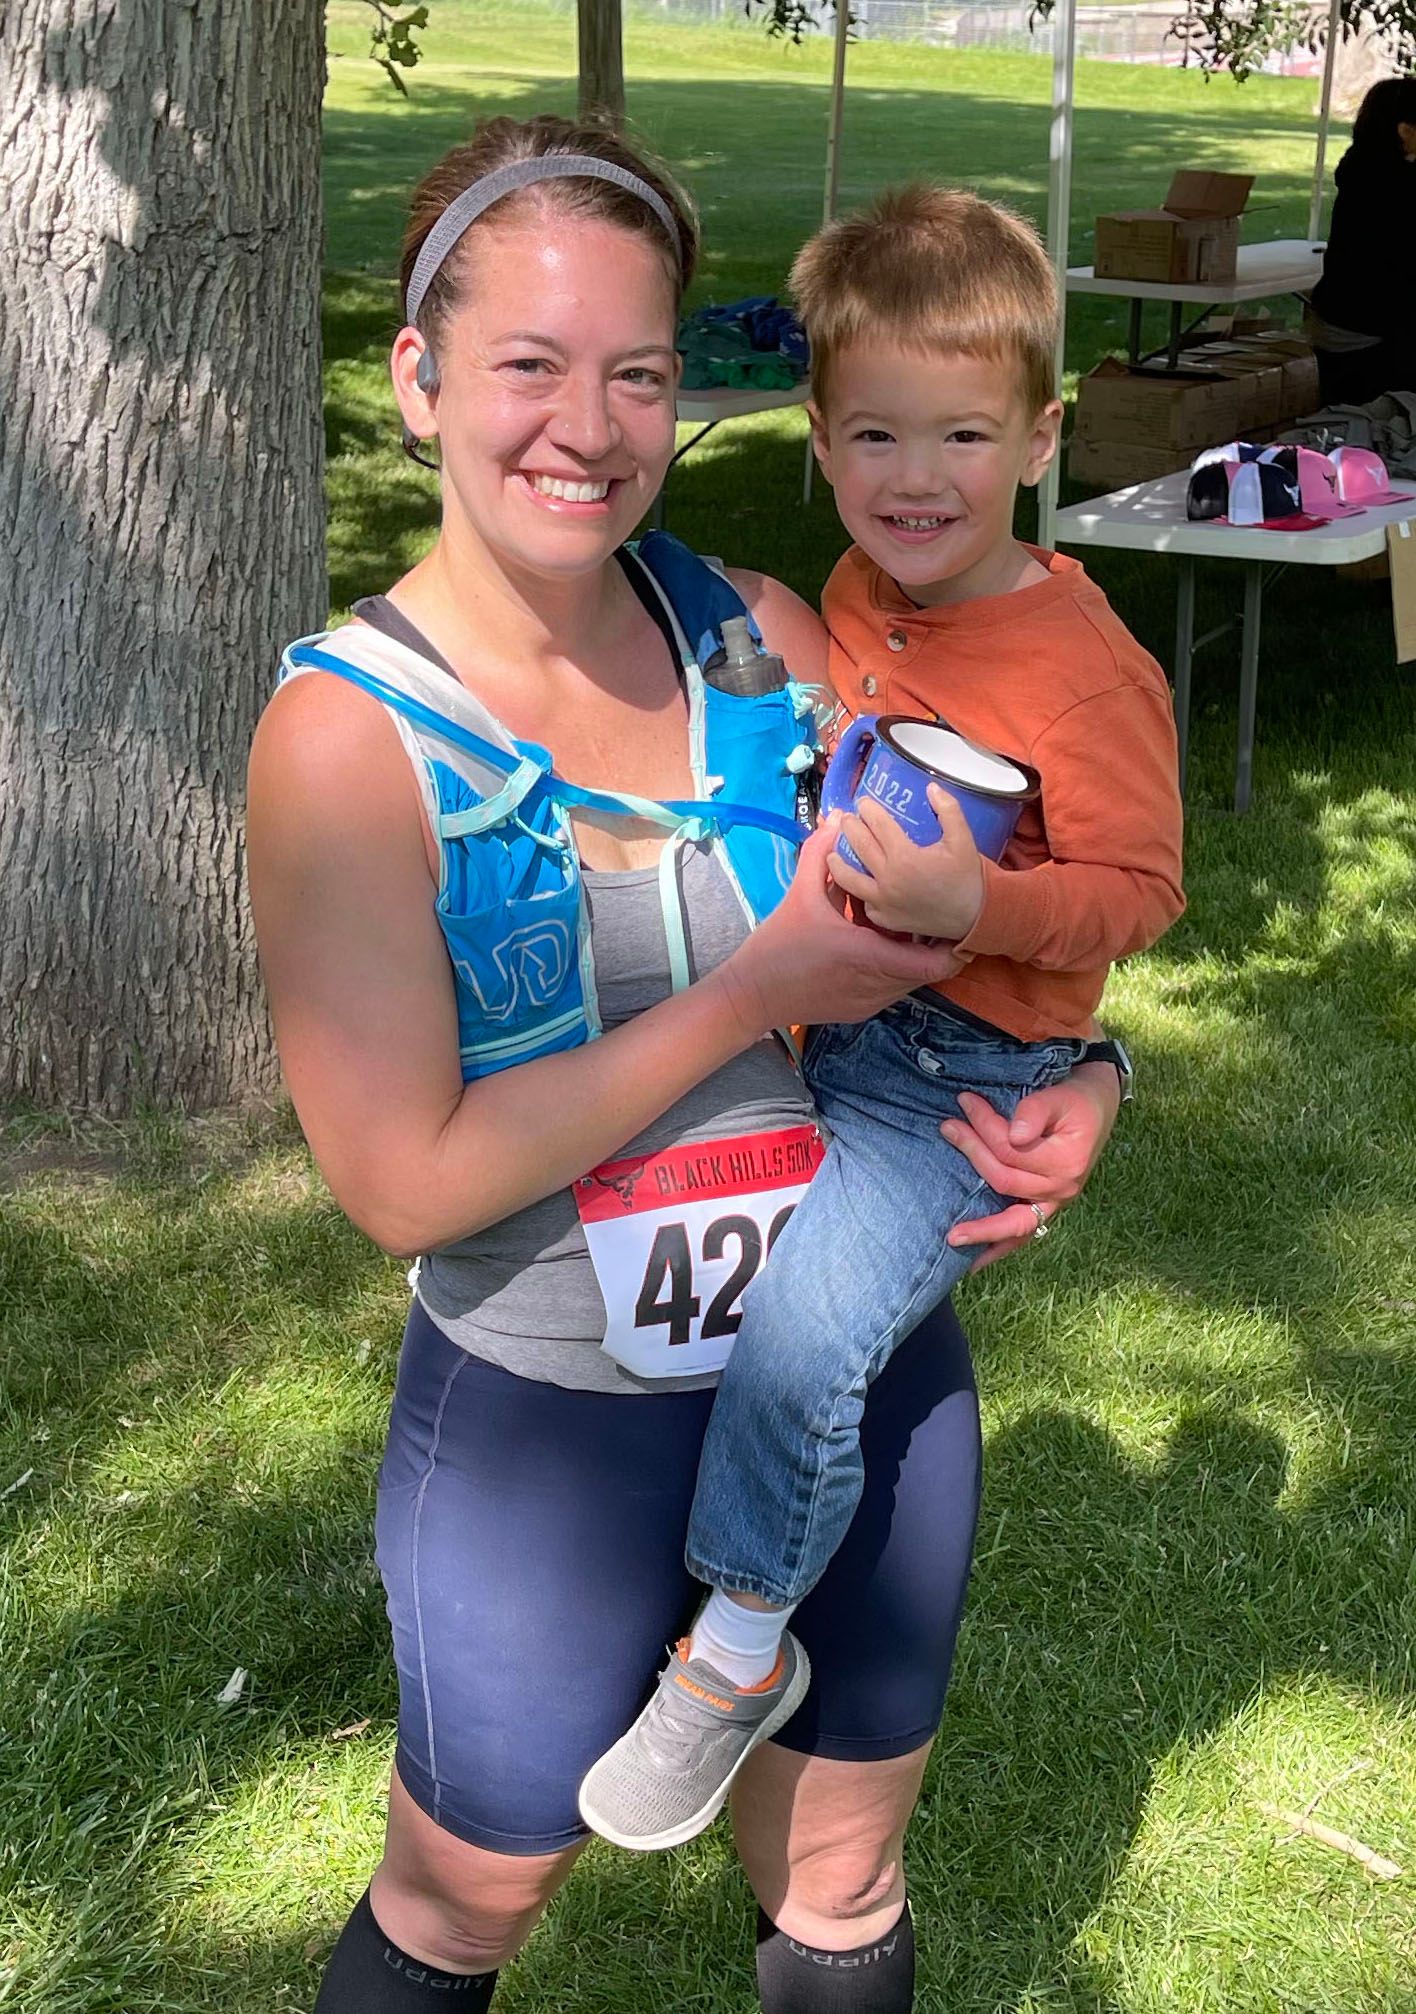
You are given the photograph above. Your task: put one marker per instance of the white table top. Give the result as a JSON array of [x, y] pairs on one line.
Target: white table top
[[1150, 517], [1284, 266], [731, 402]]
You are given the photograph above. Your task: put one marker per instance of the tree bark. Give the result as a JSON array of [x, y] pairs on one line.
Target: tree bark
[[161, 523], [601, 61]]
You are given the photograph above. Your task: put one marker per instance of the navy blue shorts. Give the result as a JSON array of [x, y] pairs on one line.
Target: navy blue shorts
[[531, 1545]]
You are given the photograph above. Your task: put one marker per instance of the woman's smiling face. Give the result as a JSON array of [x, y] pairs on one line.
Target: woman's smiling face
[[555, 405]]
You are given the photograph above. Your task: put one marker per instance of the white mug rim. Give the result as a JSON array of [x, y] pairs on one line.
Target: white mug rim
[[1026, 788]]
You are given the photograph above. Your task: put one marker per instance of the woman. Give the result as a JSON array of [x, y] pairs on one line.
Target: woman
[[443, 921], [1362, 321]]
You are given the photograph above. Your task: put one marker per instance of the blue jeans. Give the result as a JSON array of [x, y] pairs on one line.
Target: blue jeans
[[861, 1263]]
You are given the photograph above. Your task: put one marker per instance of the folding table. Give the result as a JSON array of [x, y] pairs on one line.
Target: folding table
[[709, 408], [1150, 517], [1284, 266]]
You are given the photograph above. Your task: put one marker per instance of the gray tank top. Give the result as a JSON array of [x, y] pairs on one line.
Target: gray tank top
[[523, 1293]]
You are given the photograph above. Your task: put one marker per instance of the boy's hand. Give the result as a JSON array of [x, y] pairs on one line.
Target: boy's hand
[[927, 891]]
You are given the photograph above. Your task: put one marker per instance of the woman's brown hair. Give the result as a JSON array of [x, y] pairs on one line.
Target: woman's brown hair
[[496, 143]]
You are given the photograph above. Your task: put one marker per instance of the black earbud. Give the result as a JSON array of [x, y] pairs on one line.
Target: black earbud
[[428, 379]]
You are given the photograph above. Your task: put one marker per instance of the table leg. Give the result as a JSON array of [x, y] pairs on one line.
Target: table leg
[[1248, 683], [688, 446], [1172, 355], [1134, 339], [658, 509], [1184, 658]]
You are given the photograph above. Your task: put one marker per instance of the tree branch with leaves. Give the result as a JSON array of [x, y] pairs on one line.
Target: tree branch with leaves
[[392, 43], [1215, 35]]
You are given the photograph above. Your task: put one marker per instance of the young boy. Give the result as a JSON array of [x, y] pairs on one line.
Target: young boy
[[932, 321]]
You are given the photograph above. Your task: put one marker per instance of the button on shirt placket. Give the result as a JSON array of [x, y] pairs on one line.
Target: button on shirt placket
[[896, 640]]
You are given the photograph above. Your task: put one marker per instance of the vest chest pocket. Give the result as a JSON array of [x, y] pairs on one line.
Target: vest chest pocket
[[519, 989]]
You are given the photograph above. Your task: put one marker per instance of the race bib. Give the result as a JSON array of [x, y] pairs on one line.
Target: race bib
[[677, 1238]]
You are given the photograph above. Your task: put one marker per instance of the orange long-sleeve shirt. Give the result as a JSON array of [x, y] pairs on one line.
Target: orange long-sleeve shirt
[[1050, 676]]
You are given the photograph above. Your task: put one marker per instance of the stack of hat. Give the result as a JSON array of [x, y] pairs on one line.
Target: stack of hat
[[1285, 488]]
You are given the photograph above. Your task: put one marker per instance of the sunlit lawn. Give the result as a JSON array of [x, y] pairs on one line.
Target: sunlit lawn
[[1195, 1590]]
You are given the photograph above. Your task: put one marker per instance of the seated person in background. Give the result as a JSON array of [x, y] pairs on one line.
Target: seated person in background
[[1362, 319]]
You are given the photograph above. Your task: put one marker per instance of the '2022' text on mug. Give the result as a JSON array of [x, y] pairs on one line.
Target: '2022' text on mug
[[894, 759]]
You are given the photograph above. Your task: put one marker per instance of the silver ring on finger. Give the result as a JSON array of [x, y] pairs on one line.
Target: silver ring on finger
[[1043, 1226]]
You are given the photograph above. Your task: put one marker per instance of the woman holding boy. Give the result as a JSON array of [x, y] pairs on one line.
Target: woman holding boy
[[460, 871]]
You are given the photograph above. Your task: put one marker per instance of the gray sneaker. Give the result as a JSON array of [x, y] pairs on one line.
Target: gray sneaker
[[669, 1777]]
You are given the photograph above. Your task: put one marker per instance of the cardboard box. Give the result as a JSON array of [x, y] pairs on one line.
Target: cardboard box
[[1225, 324], [1301, 392], [1276, 343], [1191, 240], [1265, 405], [1401, 556], [1134, 425], [1246, 323], [1112, 465], [1181, 410], [1270, 342], [1258, 377], [1295, 358], [1222, 391]]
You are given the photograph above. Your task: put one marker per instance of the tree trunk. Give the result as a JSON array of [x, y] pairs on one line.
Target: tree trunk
[[601, 61], [161, 522]]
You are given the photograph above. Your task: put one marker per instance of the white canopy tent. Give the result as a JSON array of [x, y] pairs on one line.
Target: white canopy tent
[[1059, 191]]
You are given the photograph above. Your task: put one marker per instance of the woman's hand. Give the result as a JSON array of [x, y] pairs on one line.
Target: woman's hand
[[1044, 1154], [808, 962]]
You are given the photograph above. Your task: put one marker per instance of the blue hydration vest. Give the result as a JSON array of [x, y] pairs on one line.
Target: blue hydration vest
[[510, 902]]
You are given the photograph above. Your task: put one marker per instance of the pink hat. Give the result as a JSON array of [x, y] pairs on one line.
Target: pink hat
[[1362, 478], [1317, 480]]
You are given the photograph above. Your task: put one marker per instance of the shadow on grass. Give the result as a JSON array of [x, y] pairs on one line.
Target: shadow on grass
[[730, 138], [1122, 1610], [170, 1533]]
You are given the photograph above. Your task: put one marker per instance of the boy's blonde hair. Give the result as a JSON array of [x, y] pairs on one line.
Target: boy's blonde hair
[[935, 270]]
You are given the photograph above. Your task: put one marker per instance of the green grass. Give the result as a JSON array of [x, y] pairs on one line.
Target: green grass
[[1195, 1590]]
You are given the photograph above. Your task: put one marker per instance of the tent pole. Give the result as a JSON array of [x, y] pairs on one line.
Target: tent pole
[[838, 103], [1334, 36], [1059, 213]]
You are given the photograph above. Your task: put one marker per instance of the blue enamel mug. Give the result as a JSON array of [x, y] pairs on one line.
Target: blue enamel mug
[[894, 759]]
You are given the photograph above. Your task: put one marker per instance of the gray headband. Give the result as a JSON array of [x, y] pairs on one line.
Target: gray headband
[[466, 208]]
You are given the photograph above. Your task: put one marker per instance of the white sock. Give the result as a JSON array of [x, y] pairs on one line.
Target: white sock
[[741, 1643]]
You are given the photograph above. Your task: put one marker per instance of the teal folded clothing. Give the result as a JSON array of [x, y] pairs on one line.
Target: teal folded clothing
[[757, 374], [750, 345]]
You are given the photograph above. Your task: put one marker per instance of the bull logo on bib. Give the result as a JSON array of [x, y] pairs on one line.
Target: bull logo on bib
[[623, 1184]]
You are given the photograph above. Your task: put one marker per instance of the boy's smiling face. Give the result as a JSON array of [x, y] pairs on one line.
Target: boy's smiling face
[[925, 453]]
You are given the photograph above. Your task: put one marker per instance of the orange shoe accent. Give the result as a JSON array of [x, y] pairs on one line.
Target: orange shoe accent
[[683, 1650], [774, 1677]]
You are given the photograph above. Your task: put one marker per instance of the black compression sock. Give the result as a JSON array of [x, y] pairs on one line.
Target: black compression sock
[[796, 1978], [368, 1974]]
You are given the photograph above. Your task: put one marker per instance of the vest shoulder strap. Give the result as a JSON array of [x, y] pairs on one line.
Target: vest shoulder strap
[[697, 595]]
